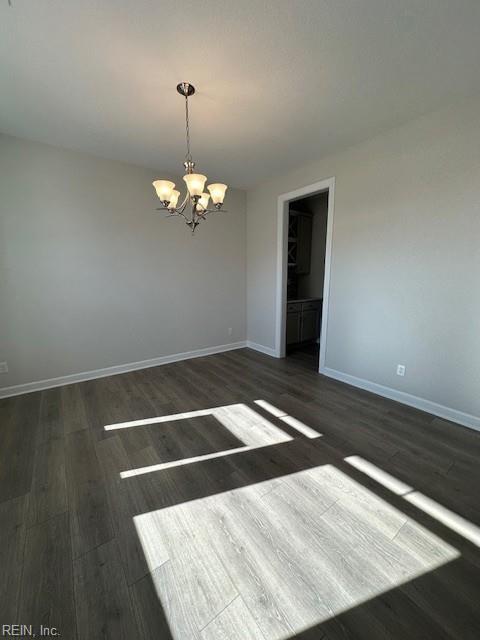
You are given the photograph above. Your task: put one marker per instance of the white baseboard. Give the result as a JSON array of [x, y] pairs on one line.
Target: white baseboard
[[39, 385], [465, 419], [259, 347]]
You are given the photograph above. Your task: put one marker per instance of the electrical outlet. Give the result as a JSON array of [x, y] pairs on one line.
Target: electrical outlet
[[400, 369], [230, 331], [3, 367]]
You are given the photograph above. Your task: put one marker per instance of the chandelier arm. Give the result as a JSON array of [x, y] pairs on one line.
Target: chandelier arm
[[195, 210], [184, 203], [215, 211], [170, 212], [173, 212], [182, 215]]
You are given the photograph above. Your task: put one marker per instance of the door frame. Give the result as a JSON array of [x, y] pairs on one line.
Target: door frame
[[282, 248]]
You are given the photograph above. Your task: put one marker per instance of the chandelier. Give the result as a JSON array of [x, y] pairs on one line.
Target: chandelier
[[194, 207]]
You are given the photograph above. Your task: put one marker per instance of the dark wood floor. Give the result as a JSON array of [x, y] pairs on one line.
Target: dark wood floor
[[305, 355], [240, 497]]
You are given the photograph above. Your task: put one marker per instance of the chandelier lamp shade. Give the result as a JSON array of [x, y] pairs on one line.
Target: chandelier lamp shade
[[194, 207]]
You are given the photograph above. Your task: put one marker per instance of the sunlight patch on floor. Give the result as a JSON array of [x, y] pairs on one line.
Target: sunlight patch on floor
[[275, 411], [301, 427], [222, 413], [185, 461], [284, 554], [449, 518], [295, 423], [388, 481], [159, 419]]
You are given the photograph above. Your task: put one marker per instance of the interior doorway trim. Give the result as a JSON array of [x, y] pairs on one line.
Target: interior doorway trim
[[282, 247]]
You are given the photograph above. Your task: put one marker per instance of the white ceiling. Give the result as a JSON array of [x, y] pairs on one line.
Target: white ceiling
[[280, 82]]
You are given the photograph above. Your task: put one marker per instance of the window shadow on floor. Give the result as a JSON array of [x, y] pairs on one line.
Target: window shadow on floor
[[421, 607], [425, 608]]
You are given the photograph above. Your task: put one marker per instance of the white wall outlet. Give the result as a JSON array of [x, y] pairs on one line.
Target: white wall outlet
[[230, 331], [3, 367], [400, 369]]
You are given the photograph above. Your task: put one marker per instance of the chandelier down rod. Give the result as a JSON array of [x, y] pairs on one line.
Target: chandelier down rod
[[186, 89]]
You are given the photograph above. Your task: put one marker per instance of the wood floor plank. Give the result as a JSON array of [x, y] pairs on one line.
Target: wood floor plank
[[338, 575], [113, 458], [361, 532], [96, 410], [73, 409], [19, 433], [148, 381], [134, 397], [103, 606], [426, 547], [8, 409], [346, 561], [235, 622], [440, 593], [125, 501], [149, 613], [196, 372], [81, 459], [193, 585], [391, 615], [91, 522], [13, 517], [104, 405], [48, 496], [258, 575], [51, 417], [47, 585], [358, 500]]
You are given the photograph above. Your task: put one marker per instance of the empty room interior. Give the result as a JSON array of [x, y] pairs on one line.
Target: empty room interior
[[240, 320]]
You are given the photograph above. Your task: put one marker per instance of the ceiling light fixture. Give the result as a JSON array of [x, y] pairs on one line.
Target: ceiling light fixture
[[195, 199]]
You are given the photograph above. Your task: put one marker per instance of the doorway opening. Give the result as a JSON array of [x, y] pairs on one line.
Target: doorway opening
[[305, 227]]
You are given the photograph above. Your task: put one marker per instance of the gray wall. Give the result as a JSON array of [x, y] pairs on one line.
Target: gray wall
[[91, 276], [311, 284], [406, 257]]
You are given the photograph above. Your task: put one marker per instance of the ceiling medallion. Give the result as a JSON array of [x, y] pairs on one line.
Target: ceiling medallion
[[194, 207]]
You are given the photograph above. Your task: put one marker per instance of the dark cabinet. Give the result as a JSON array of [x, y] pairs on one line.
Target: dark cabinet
[[303, 321], [293, 327], [309, 325], [304, 243], [299, 242]]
